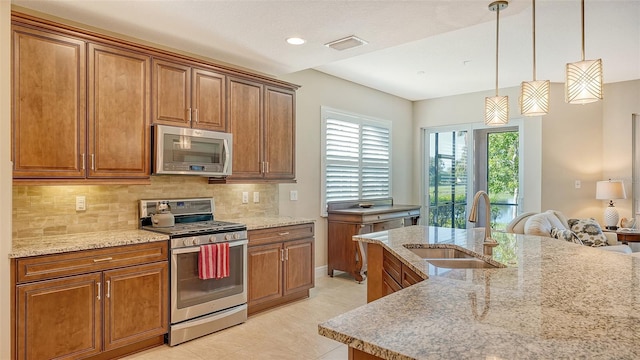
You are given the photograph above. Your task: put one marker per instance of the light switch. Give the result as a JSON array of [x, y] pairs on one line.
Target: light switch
[[293, 195], [245, 197], [578, 184], [256, 196], [81, 203]]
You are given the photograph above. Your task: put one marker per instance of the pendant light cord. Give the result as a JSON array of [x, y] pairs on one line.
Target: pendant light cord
[[534, 40], [497, 42], [582, 9]]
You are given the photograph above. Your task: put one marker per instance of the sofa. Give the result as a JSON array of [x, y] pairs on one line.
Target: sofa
[[552, 223]]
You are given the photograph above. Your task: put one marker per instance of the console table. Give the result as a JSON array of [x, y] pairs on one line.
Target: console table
[[628, 236], [357, 217]]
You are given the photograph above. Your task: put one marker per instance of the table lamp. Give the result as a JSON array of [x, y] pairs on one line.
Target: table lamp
[[610, 190]]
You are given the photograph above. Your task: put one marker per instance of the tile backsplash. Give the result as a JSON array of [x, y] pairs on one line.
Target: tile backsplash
[[51, 210]]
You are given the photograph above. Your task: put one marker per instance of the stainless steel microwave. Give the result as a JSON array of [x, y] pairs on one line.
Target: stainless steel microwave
[[185, 151]]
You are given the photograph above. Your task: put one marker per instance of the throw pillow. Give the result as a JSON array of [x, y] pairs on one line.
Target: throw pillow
[[588, 231], [565, 234]]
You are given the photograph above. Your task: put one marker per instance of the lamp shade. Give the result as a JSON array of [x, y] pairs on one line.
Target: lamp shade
[[610, 190], [583, 82], [534, 98], [496, 110]]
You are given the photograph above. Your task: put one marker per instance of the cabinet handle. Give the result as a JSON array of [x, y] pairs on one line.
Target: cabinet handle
[[103, 259], [262, 167], [83, 161], [93, 161], [286, 254], [108, 288], [266, 172], [189, 115], [196, 112], [99, 290], [281, 255], [283, 233]]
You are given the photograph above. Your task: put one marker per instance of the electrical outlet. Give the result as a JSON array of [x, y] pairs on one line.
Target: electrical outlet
[[245, 197], [578, 184], [256, 196], [81, 203], [293, 195]]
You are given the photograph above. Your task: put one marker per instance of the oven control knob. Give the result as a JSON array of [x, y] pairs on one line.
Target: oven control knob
[[236, 236], [212, 238], [186, 242], [196, 241], [227, 237]]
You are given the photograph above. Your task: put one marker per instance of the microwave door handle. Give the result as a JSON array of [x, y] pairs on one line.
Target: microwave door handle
[[227, 156]]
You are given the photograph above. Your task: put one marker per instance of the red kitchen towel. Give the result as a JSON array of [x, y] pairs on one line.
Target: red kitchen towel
[[213, 261], [207, 261], [223, 261]]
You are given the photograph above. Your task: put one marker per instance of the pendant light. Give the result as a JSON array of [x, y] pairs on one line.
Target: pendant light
[[534, 95], [583, 78], [496, 108]]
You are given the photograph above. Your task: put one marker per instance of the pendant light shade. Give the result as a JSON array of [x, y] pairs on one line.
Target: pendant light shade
[[496, 108], [583, 78], [534, 95]]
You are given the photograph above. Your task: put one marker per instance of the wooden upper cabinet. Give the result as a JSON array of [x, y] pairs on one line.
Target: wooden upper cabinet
[[188, 96], [279, 133], [49, 96], [119, 112], [208, 100], [171, 93], [245, 121]]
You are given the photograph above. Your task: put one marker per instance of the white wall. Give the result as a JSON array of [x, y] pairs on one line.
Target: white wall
[[5, 176], [319, 89]]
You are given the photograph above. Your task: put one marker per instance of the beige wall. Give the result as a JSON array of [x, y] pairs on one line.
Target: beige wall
[[622, 100], [319, 89], [467, 110], [589, 143], [5, 176]]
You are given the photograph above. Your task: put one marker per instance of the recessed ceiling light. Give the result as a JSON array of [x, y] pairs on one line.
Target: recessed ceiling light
[[296, 41]]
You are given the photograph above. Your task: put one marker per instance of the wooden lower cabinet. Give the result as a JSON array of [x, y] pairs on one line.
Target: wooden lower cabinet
[[387, 274], [280, 262], [102, 314]]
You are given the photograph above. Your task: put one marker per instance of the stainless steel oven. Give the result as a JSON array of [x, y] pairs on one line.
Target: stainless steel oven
[[200, 307]]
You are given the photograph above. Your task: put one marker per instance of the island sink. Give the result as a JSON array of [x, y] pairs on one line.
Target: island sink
[[449, 258]]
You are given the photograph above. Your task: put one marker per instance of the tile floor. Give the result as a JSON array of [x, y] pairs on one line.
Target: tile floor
[[287, 332]]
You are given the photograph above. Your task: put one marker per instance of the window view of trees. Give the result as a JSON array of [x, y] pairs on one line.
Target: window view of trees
[[449, 179]]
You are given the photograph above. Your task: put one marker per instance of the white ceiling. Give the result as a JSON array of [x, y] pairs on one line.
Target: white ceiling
[[417, 49]]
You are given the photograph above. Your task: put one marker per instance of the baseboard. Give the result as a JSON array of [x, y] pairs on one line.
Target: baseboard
[[321, 271]]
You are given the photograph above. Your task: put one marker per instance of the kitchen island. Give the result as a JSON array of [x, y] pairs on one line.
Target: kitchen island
[[553, 300]]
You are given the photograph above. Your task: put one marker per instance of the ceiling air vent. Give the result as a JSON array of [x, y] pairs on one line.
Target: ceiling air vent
[[346, 43]]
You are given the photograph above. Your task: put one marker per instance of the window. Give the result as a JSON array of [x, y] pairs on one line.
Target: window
[[356, 153]]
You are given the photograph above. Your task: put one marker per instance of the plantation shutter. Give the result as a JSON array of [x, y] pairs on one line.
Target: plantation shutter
[[357, 158]]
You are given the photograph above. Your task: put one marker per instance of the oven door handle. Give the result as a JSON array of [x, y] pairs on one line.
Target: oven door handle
[[192, 249]]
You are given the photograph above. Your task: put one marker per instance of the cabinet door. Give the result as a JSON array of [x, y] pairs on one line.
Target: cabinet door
[[49, 113], [298, 266], [171, 93], [279, 134], [208, 100], [59, 318], [265, 273], [136, 304], [119, 109], [245, 122]]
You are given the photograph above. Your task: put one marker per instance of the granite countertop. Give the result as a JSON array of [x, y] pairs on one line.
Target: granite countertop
[[377, 209], [263, 222], [53, 244], [553, 300]]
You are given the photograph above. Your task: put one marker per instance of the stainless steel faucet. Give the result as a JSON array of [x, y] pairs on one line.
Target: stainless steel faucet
[[488, 243]]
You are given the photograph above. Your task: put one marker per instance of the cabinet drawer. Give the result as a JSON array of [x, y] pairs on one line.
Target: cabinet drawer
[[388, 225], [280, 234], [392, 265], [389, 284], [390, 215], [81, 262], [409, 277]]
